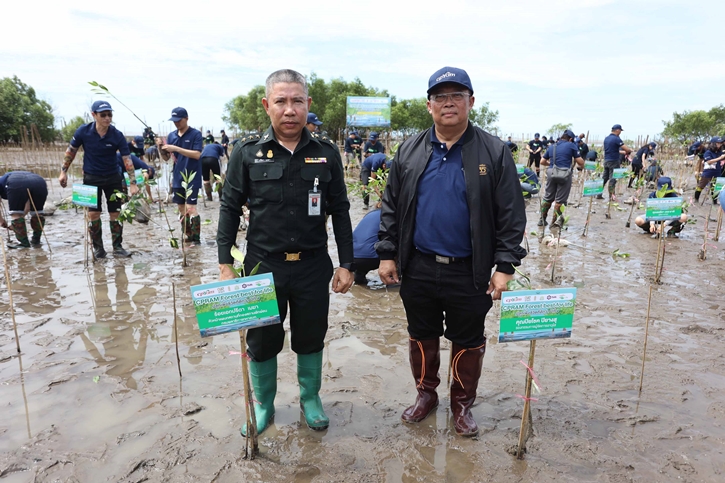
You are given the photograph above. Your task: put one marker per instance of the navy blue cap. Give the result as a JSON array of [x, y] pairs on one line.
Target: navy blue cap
[[569, 133], [617, 126], [536, 135], [653, 144], [100, 106], [450, 75], [138, 139], [579, 140], [716, 139], [178, 113], [664, 180], [697, 144], [354, 132], [373, 135], [312, 119]]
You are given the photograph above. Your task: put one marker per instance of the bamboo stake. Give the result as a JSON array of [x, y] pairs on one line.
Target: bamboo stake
[[703, 251], [176, 330], [251, 438], [660, 253], [635, 201], [527, 406], [25, 396], [556, 251], [42, 229], [719, 225], [646, 333], [10, 297], [589, 216]]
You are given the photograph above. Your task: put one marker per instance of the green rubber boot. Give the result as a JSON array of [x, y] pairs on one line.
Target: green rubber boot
[[264, 382], [21, 233], [309, 375]]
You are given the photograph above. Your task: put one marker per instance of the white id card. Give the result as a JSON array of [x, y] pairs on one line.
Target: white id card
[[314, 200]]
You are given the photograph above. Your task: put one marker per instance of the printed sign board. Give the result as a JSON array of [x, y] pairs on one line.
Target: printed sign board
[[537, 314]]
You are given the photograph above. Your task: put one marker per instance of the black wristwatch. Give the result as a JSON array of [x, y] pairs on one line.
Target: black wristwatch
[[348, 266]]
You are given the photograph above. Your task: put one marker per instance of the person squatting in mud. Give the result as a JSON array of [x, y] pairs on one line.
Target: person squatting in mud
[[14, 187], [712, 160], [559, 177], [185, 144], [664, 183], [101, 141], [452, 209], [646, 151], [292, 179]]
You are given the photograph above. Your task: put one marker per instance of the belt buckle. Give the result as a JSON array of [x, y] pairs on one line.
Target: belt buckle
[[441, 259], [292, 257]]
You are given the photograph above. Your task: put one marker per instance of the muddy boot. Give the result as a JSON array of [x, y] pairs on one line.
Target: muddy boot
[[466, 373], [545, 205], [207, 190], [21, 233], [675, 228], [309, 375], [264, 382], [37, 223], [94, 228], [195, 237], [697, 194], [117, 239], [425, 359]]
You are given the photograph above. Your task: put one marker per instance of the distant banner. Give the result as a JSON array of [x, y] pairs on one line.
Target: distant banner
[[368, 111]]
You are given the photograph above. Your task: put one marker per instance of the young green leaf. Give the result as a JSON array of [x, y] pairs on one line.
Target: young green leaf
[[237, 254], [254, 270]]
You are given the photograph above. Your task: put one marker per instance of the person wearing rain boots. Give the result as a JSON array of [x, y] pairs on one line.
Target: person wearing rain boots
[[452, 210], [211, 166], [14, 187], [185, 145], [713, 157], [292, 179], [561, 156], [100, 141]]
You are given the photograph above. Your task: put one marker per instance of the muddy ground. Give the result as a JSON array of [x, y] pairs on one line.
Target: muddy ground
[[95, 395]]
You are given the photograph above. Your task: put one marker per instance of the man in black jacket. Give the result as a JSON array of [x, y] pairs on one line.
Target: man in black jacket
[[452, 210]]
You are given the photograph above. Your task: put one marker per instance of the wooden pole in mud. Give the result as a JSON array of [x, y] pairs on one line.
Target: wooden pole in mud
[[635, 201], [589, 216], [527, 406], [660, 253], [10, 296], [719, 225], [35, 209], [176, 330], [252, 437], [703, 251], [646, 333]]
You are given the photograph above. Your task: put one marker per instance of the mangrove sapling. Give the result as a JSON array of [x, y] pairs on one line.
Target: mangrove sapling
[[10, 296], [176, 329], [129, 212], [103, 90], [639, 185]]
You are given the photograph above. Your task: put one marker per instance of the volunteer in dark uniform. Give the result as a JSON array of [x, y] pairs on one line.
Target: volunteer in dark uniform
[[512, 145], [353, 146], [225, 143], [372, 145], [185, 144], [583, 148], [211, 166], [452, 210], [209, 138], [148, 171], [535, 147], [638, 162], [364, 238], [100, 141], [136, 147], [14, 187], [149, 138], [370, 167], [561, 155], [313, 122], [613, 148], [292, 179], [711, 166]]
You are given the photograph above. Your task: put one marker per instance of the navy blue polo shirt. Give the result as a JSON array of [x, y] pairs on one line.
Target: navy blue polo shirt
[[3, 186], [566, 151], [193, 140], [442, 219], [612, 143], [641, 155], [374, 162], [99, 157], [374, 147], [711, 170], [137, 164], [212, 151], [365, 236]]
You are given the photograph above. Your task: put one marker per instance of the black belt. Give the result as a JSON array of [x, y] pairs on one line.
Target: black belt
[[442, 259], [288, 256]]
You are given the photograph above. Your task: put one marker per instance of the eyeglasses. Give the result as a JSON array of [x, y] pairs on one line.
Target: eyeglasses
[[105, 114], [454, 96]]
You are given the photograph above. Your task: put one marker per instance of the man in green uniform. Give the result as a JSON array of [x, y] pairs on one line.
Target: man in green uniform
[[292, 180]]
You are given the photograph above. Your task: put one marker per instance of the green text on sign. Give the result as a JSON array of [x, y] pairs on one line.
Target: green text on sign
[[536, 314], [663, 209], [85, 195], [593, 187], [619, 173], [590, 165]]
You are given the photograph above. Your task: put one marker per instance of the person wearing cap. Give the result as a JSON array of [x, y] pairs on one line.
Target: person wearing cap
[[512, 145], [561, 155], [535, 147], [313, 122], [211, 166], [149, 138], [613, 147], [136, 146], [24, 191], [185, 145], [452, 210], [372, 145], [711, 166], [664, 184], [225, 143], [643, 153], [209, 138], [582, 146], [100, 141], [368, 170], [293, 179], [353, 147]]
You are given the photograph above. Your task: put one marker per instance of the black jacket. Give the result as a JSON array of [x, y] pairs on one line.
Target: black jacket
[[498, 217]]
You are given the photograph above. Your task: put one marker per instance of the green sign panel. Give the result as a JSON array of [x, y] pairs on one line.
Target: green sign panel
[[593, 187], [139, 177], [663, 209], [520, 169], [719, 184], [368, 111], [590, 165], [536, 314], [231, 305], [619, 173], [84, 195]]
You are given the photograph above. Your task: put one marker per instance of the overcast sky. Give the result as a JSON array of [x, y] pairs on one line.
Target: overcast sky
[[592, 63]]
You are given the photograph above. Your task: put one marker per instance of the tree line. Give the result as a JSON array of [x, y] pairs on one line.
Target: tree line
[[698, 125]]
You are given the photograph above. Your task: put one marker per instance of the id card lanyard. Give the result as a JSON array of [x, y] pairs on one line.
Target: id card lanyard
[[314, 199]]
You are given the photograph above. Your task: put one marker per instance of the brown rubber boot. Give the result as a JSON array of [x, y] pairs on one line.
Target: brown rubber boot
[[207, 190], [425, 359], [466, 373]]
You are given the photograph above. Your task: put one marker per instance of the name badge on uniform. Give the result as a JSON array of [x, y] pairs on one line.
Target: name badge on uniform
[[315, 160], [314, 200]]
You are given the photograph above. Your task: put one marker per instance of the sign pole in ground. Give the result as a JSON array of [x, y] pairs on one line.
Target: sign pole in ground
[[10, 296], [523, 432], [703, 251], [591, 189], [646, 333], [176, 330], [719, 226], [589, 216], [251, 439]]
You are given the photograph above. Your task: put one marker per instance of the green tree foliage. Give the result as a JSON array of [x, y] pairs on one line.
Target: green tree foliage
[[484, 117], [19, 106], [67, 131], [409, 116], [557, 129], [695, 125], [246, 112]]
